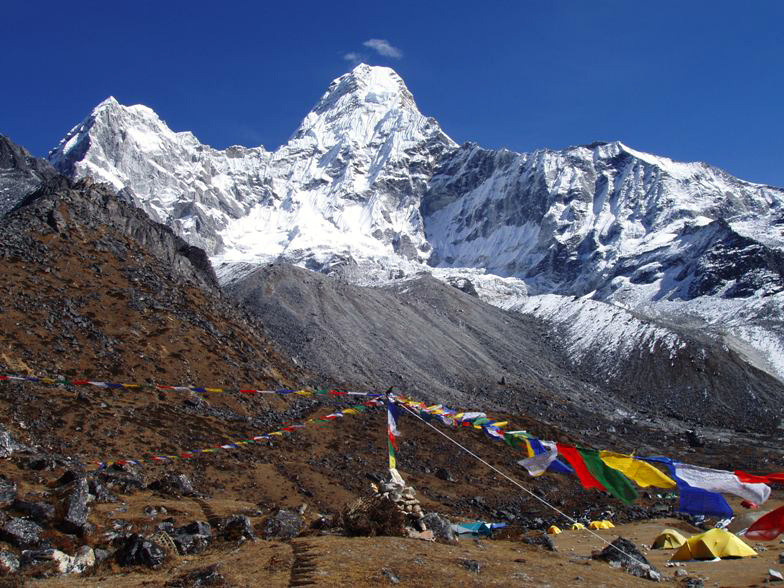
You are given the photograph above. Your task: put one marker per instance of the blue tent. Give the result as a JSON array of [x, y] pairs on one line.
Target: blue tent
[[476, 529]]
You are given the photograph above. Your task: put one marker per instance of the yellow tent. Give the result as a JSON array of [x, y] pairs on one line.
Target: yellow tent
[[553, 530], [577, 526], [600, 525], [712, 544], [669, 539]]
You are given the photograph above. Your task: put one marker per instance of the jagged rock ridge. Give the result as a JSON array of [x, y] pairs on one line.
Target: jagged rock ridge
[[20, 173]]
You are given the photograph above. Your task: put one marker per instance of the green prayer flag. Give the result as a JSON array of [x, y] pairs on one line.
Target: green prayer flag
[[514, 440], [614, 481]]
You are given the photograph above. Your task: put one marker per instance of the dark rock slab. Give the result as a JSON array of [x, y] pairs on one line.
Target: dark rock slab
[[40, 512], [9, 445], [194, 537], [187, 543], [100, 492], [21, 532], [208, 576], [624, 554], [40, 462], [284, 524], [237, 527], [123, 479], [445, 474], [7, 492], [174, 485], [196, 528], [441, 527], [137, 550], [76, 506], [9, 563], [542, 540]]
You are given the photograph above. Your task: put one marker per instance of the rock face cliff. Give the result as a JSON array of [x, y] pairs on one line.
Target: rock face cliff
[[603, 218], [20, 173]]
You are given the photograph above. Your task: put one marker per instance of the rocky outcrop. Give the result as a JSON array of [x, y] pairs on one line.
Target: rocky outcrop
[[194, 537], [20, 173], [236, 528], [61, 205], [53, 561], [7, 492], [21, 532], [137, 550], [75, 506], [622, 553], [284, 524], [574, 221]]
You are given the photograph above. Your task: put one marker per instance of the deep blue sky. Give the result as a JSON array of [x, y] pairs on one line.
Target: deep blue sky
[[690, 80]]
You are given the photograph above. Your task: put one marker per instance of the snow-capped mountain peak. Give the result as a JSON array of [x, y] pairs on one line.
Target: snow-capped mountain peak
[[346, 186], [368, 182], [90, 147], [367, 108], [372, 88]]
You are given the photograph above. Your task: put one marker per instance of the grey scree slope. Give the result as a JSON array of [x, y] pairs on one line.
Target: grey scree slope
[[439, 343]]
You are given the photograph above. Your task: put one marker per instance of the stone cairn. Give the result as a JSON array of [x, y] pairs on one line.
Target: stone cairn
[[392, 510], [404, 498]]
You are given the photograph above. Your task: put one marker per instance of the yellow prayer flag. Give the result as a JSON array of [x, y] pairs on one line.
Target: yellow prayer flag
[[641, 472], [528, 448]]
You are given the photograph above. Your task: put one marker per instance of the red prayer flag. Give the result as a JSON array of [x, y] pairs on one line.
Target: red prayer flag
[[768, 527], [764, 479], [751, 478], [576, 461]]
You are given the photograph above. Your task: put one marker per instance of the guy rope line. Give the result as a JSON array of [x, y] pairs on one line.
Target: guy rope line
[[523, 488]]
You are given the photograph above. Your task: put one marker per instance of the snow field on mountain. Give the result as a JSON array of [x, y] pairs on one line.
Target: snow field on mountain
[[369, 189]]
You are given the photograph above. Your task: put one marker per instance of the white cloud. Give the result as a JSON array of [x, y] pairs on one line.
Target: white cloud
[[353, 57], [383, 47]]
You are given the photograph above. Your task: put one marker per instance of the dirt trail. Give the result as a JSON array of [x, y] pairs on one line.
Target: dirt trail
[[304, 565]]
